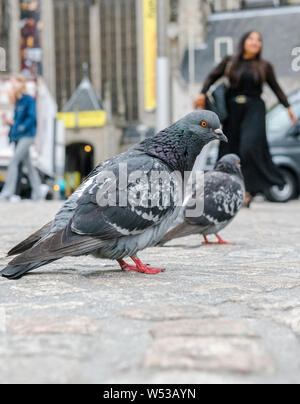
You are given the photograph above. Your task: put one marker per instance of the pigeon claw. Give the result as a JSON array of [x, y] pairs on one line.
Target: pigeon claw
[[128, 268], [145, 269], [151, 271], [139, 267], [219, 242]]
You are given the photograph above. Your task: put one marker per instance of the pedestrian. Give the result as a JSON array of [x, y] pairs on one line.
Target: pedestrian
[[22, 133], [245, 126]]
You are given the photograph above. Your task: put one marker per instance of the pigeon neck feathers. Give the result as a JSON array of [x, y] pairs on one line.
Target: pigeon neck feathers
[[175, 146]]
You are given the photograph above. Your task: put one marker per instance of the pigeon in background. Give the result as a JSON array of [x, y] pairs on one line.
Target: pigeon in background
[[224, 194], [85, 225]]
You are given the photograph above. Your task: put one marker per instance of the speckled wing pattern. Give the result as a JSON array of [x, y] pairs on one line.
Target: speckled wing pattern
[[224, 196], [110, 222]]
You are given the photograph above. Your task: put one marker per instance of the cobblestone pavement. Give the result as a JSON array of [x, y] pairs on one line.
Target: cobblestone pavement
[[227, 314]]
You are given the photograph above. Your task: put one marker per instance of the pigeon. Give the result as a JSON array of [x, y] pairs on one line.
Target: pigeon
[[223, 194], [112, 215]]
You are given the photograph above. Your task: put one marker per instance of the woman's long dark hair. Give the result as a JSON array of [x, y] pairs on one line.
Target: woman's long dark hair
[[237, 68]]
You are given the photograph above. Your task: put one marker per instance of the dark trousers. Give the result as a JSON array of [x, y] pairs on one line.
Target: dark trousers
[[246, 131]]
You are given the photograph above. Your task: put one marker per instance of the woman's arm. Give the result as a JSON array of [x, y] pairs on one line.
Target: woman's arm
[[214, 75], [6, 120], [273, 83], [30, 118]]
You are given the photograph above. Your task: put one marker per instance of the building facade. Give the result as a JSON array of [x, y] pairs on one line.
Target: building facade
[[116, 41], [4, 33], [103, 35], [10, 34]]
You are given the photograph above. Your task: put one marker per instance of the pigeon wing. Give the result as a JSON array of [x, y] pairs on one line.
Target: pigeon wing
[[133, 207], [224, 196]]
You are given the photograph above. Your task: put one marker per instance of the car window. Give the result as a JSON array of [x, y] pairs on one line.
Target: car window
[[278, 120]]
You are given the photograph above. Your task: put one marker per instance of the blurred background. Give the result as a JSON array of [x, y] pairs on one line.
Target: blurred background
[[109, 73]]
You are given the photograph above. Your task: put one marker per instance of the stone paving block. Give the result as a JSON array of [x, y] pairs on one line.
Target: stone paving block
[[208, 354], [61, 346], [163, 312], [52, 325], [204, 328], [207, 344]]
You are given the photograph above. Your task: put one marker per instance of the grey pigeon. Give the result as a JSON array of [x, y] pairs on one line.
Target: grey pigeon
[[223, 193], [120, 228]]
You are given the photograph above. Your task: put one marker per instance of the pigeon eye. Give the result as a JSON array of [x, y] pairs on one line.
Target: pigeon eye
[[204, 124]]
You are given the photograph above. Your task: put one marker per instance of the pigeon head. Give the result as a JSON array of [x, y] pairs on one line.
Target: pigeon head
[[230, 164], [204, 125], [180, 144]]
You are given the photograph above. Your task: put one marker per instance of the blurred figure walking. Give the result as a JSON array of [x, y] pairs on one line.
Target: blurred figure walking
[[22, 133], [245, 126]]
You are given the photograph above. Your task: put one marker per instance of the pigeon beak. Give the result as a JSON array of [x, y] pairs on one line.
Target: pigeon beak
[[221, 135]]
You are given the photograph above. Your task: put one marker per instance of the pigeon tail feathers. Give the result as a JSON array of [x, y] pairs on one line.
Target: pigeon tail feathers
[[14, 272], [30, 241], [64, 243]]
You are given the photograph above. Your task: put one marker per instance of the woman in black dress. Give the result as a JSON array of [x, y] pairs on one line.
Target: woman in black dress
[[246, 125]]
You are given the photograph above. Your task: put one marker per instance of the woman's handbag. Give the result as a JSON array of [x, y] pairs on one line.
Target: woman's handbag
[[216, 100]]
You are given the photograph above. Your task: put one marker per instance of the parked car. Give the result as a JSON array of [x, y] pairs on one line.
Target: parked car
[[284, 141]]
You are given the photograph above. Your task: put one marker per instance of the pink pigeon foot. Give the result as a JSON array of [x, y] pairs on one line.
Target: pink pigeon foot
[[139, 267], [219, 242]]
